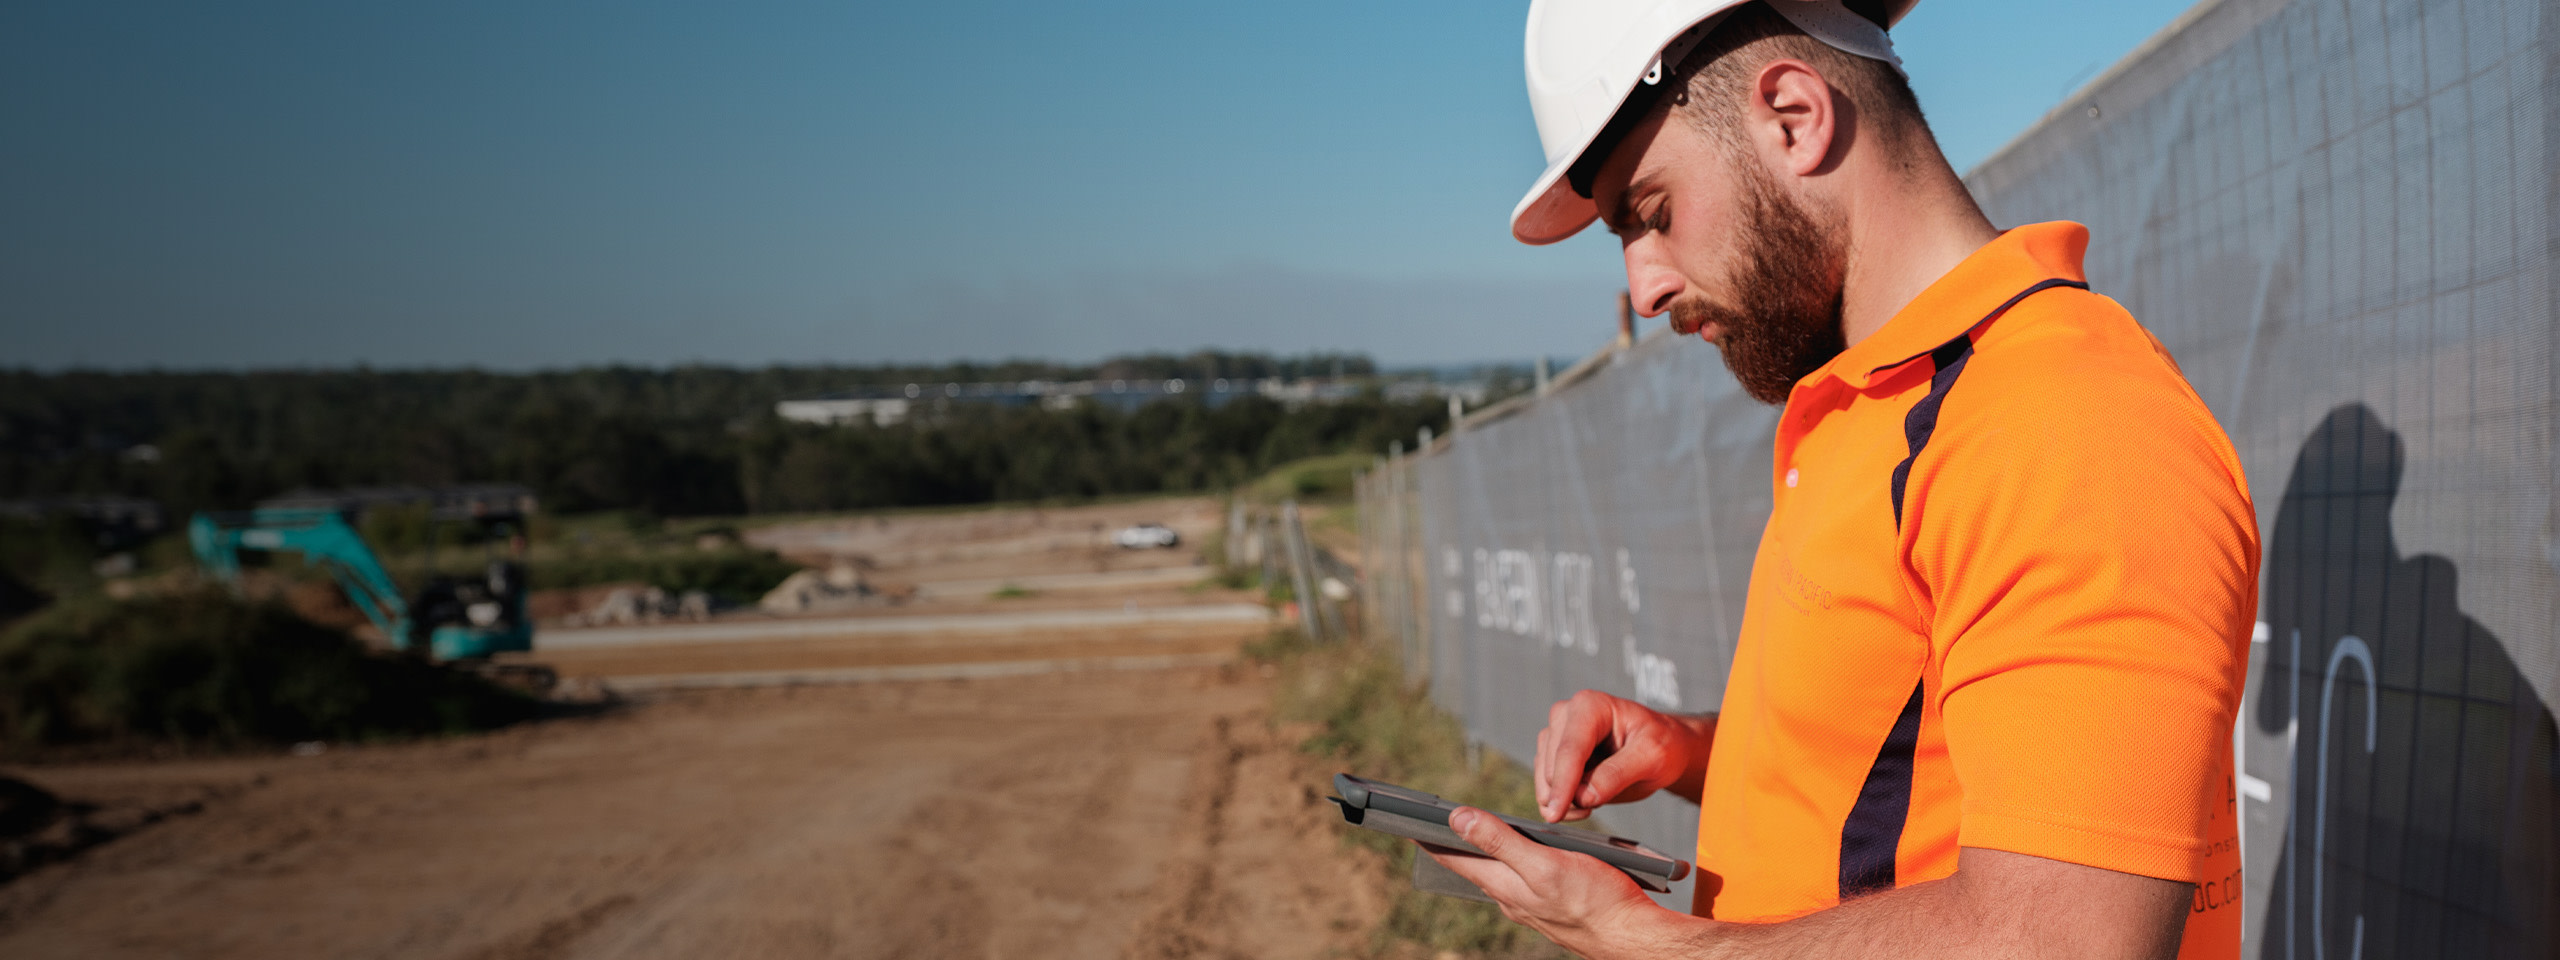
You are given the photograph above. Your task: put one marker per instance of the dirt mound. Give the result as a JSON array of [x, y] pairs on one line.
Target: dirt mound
[[38, 828], [24, 808]]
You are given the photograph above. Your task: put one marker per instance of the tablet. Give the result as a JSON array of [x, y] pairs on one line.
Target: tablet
[[1416, 815]]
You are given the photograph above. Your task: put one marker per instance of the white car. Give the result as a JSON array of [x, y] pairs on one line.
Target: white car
[[1146, 536]]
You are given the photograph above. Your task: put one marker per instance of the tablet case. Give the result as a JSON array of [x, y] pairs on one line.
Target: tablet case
[[1391, 810]]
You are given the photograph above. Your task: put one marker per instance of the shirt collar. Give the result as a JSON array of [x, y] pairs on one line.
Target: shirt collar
[[2011, 262]]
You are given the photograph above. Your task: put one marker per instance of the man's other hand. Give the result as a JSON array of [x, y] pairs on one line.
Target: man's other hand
[[1638, 750], [1572, 898]]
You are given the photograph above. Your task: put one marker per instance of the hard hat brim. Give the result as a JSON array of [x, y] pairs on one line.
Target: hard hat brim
[[1552, 211]]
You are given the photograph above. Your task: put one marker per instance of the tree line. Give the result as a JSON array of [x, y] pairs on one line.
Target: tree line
[[681, 441]]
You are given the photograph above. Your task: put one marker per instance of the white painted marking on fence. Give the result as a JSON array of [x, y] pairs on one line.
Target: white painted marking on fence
[[2256, 789]]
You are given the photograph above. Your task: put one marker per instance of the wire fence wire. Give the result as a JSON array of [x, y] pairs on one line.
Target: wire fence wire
[[2337, 215]]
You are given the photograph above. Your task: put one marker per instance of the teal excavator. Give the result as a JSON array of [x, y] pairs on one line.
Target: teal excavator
[[465, 619]]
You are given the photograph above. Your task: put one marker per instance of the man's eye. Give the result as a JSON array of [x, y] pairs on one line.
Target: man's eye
[[1659, 221]]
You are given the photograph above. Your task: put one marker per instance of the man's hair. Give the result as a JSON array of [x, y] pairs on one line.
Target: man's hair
[[1715, 77]]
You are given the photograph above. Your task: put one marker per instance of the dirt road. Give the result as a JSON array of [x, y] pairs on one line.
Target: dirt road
[[1101, 815], [995, 590], [995, 543]]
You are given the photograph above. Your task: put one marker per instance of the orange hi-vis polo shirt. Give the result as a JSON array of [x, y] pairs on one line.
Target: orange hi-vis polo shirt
[[2003, 601]]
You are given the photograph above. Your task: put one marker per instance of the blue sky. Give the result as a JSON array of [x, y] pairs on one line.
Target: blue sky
[[513, 185]]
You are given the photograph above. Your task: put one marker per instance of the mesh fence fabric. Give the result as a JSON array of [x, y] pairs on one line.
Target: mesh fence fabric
[[2336, 214]]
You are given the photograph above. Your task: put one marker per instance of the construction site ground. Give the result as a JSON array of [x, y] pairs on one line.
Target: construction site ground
[[1082, 768], [946, 595]]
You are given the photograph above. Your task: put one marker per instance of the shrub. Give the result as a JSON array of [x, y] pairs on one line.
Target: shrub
[[1325, 478], [737, 576], [48, 556], [206, 669]]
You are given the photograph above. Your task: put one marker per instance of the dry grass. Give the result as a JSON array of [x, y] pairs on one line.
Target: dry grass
[[1364, 714]]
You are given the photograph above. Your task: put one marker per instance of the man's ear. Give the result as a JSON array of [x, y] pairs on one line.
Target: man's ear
[[1794, 117]]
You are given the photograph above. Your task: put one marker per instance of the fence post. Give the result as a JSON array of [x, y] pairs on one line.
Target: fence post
[[1626, 319], [1235, 534], [1263, 533], [1404, 564], [1416, 608], [1364, 508], [1302, 572]]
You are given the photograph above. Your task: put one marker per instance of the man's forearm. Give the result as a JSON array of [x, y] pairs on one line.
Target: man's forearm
[[2001, 905], [1919, 922]]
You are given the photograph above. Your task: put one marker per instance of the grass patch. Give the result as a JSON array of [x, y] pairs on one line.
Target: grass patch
[[1327, 478], [736, 575], [206, 670], [580, 550], [758, 521], [1367, 717], [1228, 578], [1012, 591]]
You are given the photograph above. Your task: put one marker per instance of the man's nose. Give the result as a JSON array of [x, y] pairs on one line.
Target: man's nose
[[1651, 284]]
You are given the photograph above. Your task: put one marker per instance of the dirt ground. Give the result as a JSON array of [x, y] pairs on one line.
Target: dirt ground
[[904, 649], [978, 560], [1066, 795], [965, 567], [996, 543], [1103, 815]]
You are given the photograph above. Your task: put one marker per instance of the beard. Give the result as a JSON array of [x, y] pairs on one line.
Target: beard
[[1787, 321]]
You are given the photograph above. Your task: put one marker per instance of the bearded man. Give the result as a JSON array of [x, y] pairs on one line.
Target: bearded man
[[1983, 698]]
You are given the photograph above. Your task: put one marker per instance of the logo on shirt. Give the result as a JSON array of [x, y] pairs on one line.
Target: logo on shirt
[[1801, 592]]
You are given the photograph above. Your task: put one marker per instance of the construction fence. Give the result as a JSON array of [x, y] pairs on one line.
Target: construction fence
[[2337, 214]]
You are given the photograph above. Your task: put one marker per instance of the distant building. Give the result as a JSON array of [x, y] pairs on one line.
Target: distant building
[[1472, 392], [842, 411], [889, 405]]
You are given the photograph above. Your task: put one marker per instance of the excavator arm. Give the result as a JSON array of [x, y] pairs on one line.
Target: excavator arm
[[322, 537]]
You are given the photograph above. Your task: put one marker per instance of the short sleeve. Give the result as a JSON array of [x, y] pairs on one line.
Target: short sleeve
[[2089, 561]]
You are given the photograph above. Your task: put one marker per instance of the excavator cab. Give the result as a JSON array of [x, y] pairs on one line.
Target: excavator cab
[[471, 617]]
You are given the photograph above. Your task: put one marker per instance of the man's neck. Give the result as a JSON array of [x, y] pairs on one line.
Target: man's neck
[[1905, 232]]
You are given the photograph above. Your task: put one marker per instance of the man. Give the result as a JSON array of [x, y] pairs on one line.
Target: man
[[1982, 701]]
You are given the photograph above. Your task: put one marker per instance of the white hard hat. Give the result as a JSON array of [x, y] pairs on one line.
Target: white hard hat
[[1587, 57]]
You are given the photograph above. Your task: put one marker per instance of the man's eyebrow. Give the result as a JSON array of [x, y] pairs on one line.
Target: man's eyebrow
[[1622, 214]]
